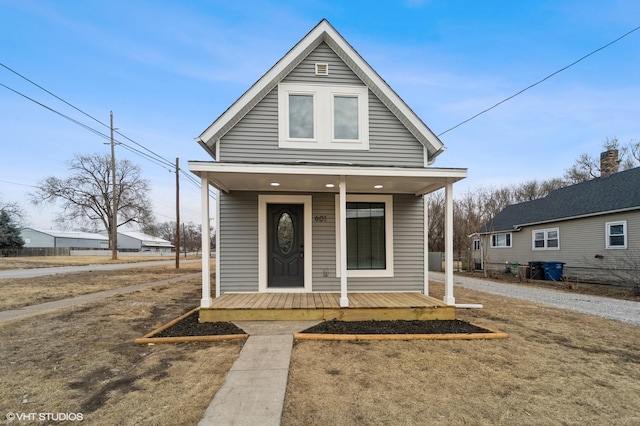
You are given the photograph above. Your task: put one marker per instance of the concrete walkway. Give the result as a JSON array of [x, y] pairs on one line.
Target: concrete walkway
[[42, 308], [253, 392]]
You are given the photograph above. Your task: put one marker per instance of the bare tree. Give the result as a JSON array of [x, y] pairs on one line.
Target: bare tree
[[533, 190], [14, 211], [86, 196], [587, 167], [436, 221]]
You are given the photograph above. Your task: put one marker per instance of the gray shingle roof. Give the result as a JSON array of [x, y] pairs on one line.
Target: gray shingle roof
[[620, 191]]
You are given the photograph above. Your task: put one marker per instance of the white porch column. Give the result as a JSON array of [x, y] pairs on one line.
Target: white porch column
[[344, 299], [217, 252], [425, 205], [206, 300], [448, 246]]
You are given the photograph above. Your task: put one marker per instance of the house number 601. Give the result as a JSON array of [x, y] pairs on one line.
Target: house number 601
[[320, 219]]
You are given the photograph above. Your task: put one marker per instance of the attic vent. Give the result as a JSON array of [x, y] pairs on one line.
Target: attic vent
[[322, 69]]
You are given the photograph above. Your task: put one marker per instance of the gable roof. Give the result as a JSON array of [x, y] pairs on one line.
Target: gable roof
[[145, 239], [604, 195], [323, 32], [70, 234]]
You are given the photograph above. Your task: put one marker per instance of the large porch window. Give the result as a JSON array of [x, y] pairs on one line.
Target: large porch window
[[369, 235], [365, 236]]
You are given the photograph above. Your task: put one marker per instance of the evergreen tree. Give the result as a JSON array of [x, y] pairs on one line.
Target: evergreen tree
[[9, 233]]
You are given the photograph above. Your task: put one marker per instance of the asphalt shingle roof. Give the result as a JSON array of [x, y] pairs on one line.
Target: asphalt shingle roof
[[619, 191]]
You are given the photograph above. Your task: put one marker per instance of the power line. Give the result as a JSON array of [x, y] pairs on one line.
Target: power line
[[540, 81], [16, 183], [154, 154], [91, 129], [156, 158]]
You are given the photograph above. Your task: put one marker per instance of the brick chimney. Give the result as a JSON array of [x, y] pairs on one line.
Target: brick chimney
[[609, 162]]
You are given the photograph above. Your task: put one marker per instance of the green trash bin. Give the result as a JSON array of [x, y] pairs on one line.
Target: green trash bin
[[514, 269]]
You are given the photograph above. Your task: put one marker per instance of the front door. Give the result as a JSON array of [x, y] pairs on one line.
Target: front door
[[285, 245]]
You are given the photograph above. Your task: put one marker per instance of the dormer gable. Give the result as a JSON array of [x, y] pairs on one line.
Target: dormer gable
[[330, 102]]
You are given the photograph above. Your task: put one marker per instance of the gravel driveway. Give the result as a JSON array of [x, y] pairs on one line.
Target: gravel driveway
[[619, 310]]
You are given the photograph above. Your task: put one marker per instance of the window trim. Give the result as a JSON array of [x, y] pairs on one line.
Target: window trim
[[545, 239], [388, 224], [323, 116], [607, 235], [510, 234]]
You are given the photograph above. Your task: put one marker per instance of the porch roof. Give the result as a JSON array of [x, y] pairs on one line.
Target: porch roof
[[314, 177]]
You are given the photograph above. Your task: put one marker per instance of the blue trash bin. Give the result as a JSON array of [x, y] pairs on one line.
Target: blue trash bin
[[553, 270]]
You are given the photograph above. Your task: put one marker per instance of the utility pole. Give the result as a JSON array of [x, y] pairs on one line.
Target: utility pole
[[114, 219], [177, 213]]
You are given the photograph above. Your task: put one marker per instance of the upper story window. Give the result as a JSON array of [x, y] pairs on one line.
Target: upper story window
[[616, 234], [323, 117], [546, 239], [501, 240]]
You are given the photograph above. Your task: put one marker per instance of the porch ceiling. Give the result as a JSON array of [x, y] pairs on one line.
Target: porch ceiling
[[315, 177]]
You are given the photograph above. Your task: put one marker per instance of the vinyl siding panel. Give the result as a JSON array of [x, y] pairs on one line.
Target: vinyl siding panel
[[238, 242], [239, 245], [324, 244], [580, 241], [255, 137]]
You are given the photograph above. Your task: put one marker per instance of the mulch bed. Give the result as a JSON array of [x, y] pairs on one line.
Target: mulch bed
[[189, 326], [395, 327]]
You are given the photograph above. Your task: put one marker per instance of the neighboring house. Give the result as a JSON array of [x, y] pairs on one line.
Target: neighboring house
[[40, 238], [592, 227], [138, 241], [321, 173]]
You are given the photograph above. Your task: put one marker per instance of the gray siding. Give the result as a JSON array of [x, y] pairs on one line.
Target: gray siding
[[580, 241], [324, 244], [238, 241], [255, 137], [239, 245]]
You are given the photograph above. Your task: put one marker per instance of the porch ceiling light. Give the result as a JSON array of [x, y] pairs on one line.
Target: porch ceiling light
[[275, 183], [378, 186], [330, 185]]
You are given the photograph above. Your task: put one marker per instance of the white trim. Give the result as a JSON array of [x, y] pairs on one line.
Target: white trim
[[263, 274], [425, 233], [448, 245], [341, 237], [325, 170], [388, 215], [607, 230], [217, 222], [323, 116], [206, 301], [545, 239]]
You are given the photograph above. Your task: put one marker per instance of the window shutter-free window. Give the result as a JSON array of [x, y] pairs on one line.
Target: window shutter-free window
[[318, 116], [366, 236], [546, 239], [616, 235], [501, 240], [345, 117], [301, 115]]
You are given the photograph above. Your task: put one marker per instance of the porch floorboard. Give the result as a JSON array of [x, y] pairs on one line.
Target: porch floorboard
[[325, 306]]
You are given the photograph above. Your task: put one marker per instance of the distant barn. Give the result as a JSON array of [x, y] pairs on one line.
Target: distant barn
[[39, 238]]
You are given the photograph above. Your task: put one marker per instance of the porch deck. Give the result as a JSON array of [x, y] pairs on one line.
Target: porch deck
[[325, 306]]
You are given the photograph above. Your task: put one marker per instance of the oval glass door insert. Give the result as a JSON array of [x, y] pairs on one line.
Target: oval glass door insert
[[285, 233]]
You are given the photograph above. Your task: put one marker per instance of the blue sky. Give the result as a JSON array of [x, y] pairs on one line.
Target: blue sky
[[167, 69]]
